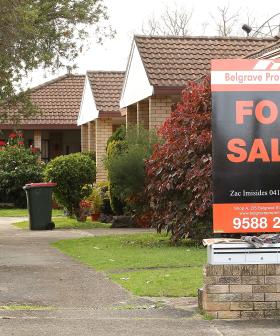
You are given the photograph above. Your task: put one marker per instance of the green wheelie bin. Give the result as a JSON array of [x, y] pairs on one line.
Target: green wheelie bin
[[39, 204]]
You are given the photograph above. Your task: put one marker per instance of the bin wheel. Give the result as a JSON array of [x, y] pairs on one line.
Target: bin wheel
[[51, 226]]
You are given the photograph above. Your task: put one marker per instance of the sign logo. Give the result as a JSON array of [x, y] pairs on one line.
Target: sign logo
[[267, 65], [246, 145]]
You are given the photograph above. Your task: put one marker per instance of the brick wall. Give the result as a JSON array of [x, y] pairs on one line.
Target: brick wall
[[160, 109], [143, 113], [103, 132], [131, 115], [241, 291], [84, 137], [91, 137]]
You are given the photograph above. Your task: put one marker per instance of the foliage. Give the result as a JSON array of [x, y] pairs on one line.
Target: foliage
[[118, 135], [95, 200], [114, 149], [117, 205], [104, 193], [179, 172], [47, 33], [71, 173], [146, 264], [126, 168], [18, 166]]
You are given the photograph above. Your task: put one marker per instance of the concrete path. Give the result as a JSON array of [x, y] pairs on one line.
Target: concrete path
[[75, 300]]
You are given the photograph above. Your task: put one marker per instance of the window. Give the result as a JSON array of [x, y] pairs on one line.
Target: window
[[45, 153]]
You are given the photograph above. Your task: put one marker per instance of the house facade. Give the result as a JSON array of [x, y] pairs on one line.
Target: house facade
[[159, 68], [53, 130], [100, 114]]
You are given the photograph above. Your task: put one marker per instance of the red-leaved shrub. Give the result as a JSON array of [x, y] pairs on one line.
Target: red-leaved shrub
[[179, 172]]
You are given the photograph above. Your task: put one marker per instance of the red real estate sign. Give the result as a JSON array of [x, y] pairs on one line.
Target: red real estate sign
[[246, 145]]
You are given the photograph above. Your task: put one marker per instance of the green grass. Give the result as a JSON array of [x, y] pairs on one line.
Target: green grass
[[23, 213], [24, 307], [64, 223], [145, 264]]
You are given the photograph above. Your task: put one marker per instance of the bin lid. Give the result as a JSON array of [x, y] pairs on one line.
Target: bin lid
[[40, 185]]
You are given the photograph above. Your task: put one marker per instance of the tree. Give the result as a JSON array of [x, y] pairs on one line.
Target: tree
[[47, 33], [173, 21], [225, 20], [179, 171], [229, 22], [125, 163]]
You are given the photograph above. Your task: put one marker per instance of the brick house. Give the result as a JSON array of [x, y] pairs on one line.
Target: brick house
[[100, 114], [159, 67], [54, 129]]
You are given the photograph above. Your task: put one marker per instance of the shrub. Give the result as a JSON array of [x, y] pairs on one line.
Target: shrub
[[72, 173], [118, 135], [99, 198], [18, 166], [95, 200], [126, 169], [114, 149], [104, 192], [179, 172]]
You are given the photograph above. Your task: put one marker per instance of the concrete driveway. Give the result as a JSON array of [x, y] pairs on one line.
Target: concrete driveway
[[67, 298]]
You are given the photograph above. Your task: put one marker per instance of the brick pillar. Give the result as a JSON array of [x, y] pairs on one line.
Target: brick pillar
[[159, 110], [244, 291], [143, 113], [131, 115], [84, 137], [103, 132], [91, 137]]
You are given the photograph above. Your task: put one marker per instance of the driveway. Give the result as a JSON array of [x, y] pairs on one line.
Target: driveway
[[59, 296]]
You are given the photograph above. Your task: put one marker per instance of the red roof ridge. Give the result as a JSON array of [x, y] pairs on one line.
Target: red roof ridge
[[201, 37], [106, 71]]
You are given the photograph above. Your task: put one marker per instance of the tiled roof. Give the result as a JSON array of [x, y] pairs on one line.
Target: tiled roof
[[106, 87], [58, 101], [270, 50], [172, 61]]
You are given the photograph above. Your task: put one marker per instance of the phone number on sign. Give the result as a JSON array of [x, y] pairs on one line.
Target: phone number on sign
[[255, 223]]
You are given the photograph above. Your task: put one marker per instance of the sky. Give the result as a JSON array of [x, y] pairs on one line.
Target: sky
[[127, 18]]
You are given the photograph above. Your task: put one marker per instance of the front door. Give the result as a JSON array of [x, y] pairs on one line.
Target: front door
[[55, 144]]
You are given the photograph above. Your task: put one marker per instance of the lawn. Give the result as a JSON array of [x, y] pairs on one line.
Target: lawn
[[64, 223], [23, 213], [145, 264]]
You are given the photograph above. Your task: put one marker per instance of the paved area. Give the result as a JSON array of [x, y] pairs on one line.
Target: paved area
[[67, 298]]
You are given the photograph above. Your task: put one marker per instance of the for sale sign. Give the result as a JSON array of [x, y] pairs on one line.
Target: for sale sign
[[246, 145]]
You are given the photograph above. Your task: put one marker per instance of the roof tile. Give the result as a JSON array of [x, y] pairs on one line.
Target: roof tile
[[172, 61], [106, 87], [58, 101]]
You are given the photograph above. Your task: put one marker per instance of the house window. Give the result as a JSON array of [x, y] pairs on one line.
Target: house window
[[45, 153]]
